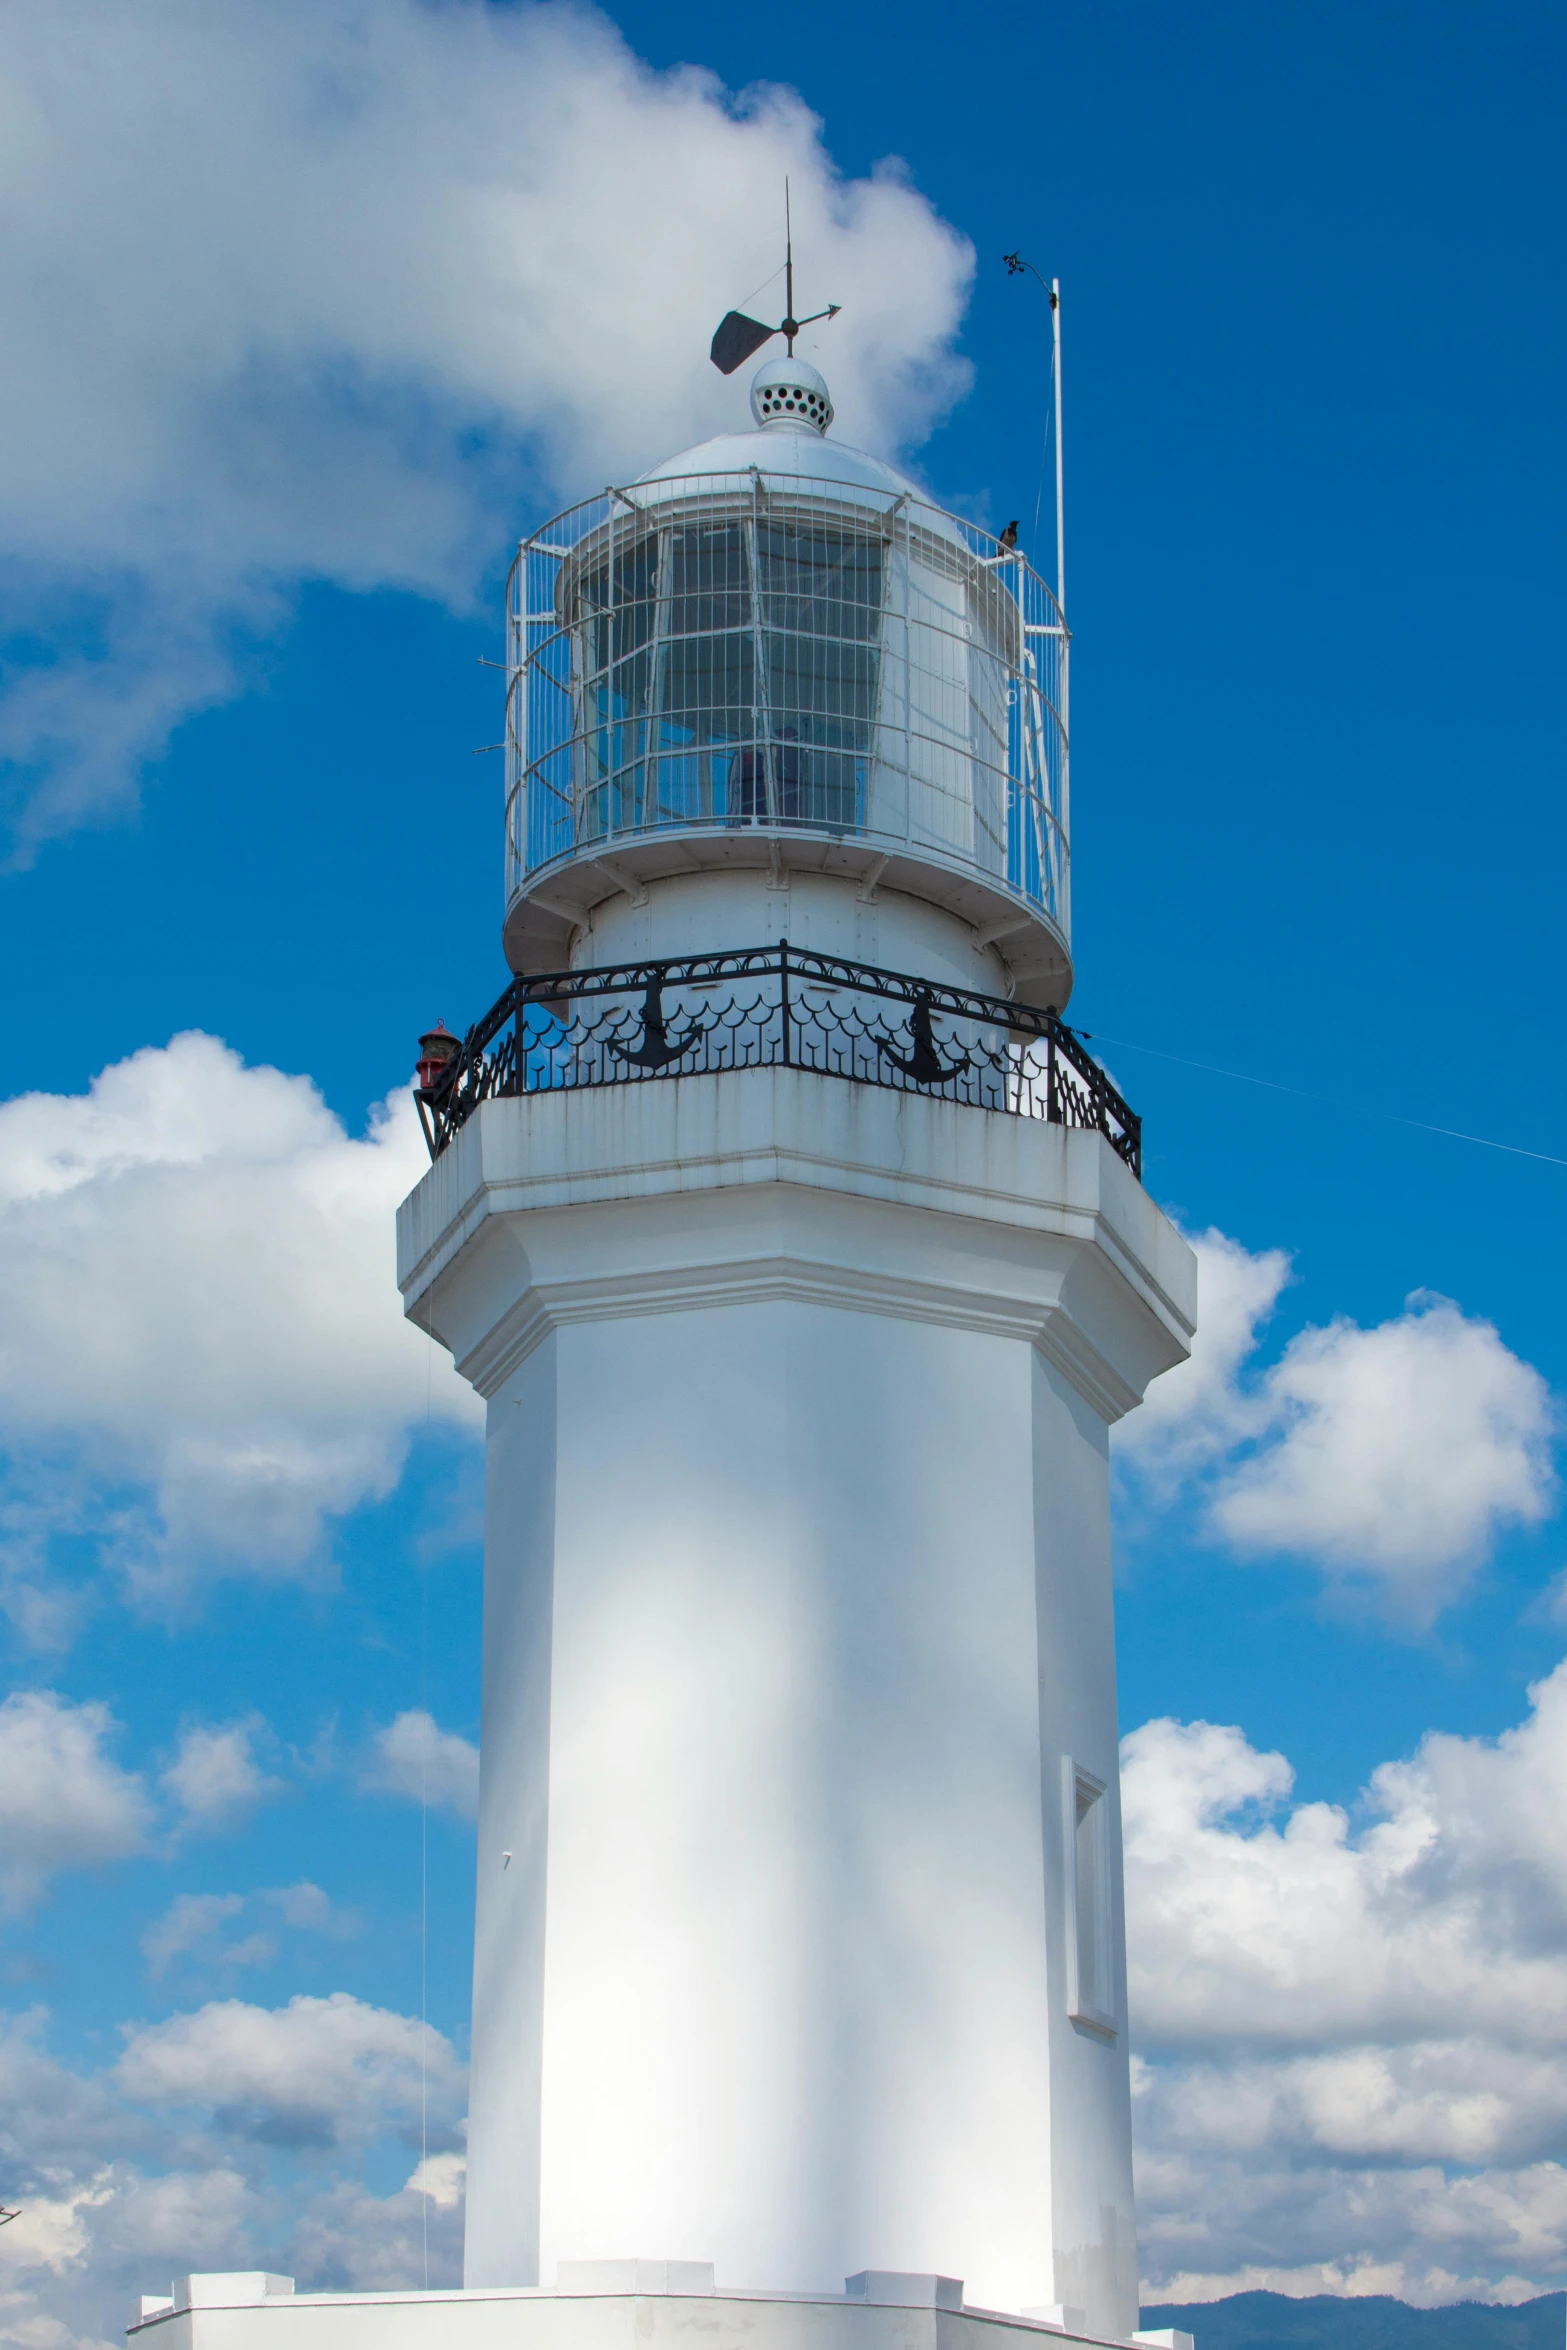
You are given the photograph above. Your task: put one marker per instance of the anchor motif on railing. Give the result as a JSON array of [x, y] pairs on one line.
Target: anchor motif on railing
[[924, 1064], [556, 1030], [658, 1048]]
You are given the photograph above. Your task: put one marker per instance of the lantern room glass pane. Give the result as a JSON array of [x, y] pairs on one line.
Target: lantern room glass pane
[[706, 671], [678, 723], [618, 605], [819, 597]]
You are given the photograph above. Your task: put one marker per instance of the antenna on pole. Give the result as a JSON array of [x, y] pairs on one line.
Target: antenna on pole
[[738, 336]]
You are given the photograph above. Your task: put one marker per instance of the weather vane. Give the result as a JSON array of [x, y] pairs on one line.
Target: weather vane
[[738, 336], [1015, 268]]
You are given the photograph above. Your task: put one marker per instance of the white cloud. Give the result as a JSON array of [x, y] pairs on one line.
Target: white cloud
[[193, 1926], [298, 293], [308, 1910], [192, 1921], [204, 1353], [1401, 1453], [1391, 1458], [117, 2200], [313, 2073], [215, 1776], [443, 2177], [1212, 2227], [1355, 2035], [347, 2238], [1200, 1410], [88, 2242], [412, 1757], [59, 2117], [64, 1802]]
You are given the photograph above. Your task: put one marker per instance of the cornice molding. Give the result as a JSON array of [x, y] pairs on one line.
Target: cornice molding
[[1043, 1322]]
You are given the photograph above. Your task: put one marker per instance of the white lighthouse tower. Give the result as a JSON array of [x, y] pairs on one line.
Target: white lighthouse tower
[[803, 1284], [800, 1253]]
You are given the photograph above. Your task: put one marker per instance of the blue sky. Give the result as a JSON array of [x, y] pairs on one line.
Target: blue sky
[[331, 312]]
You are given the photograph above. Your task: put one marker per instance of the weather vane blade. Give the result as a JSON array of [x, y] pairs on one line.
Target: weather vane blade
[[737, 337]]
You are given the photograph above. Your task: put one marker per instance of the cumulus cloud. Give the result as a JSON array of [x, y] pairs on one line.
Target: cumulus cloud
[[1401, 1452], [347, 2238], [64, 1801], [204, 1354], [1354, 2030], [215, 1775], [1392, 1458], [308, 1910], [193, 1926], [292, 294], [61, 2119], [1201, 1410], [86, 2246], [116, 2201], [413, 1757], [313, 2073], [443, 2177]]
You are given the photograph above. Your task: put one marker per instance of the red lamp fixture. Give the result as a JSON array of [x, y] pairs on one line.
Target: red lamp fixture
[[436, 1048]]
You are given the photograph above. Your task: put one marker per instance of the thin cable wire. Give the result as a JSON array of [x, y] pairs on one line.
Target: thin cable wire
[[762, 288], [1487, 1142]]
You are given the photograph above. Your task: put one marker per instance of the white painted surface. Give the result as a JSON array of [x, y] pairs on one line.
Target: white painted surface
[[806, 455], [794, 1950], [798, 1595], [824, 913], [520, 2320]]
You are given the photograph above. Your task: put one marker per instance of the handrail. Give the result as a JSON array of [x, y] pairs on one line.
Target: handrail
[[785, 1007]]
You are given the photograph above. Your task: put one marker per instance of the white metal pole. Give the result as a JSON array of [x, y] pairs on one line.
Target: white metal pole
[[1055, 328], [1066, 646]]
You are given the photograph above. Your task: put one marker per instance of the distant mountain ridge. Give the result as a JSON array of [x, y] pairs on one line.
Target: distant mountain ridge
[[1375, 2321]]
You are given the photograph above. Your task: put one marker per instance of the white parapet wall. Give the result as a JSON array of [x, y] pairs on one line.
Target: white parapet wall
[[799, 1925], [662, 2306]]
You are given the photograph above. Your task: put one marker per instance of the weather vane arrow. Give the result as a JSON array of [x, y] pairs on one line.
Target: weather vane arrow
[[738, 336]]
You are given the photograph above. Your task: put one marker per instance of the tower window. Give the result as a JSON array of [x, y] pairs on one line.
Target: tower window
[[1090, 1976]]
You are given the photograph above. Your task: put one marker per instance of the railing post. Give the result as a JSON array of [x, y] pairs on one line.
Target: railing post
[[783, 970], [1052, 1105]]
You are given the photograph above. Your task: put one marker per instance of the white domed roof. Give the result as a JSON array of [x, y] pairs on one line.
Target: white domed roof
[[783, 445], [785, 452]]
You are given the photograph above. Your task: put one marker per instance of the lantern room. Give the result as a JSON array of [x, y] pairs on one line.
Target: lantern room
[[773, 657]]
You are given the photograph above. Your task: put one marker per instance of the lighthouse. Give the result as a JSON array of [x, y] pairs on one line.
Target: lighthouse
[[799, 1251]]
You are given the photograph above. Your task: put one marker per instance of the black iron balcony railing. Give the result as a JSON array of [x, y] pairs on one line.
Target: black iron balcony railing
[[765, 1008]]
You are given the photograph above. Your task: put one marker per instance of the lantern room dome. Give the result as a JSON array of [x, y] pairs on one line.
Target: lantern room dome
[[799, 452]]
